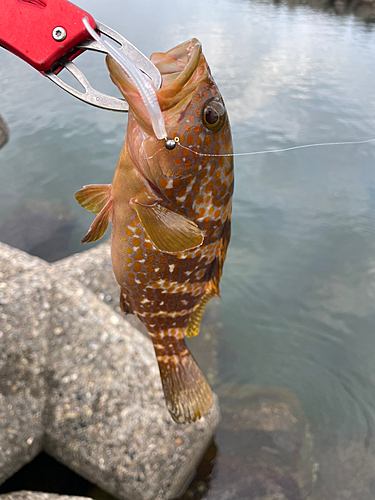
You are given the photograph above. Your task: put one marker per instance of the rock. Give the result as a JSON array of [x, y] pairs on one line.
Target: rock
[[36, 495], [40, 228], [346, 472], [104, 412], [24, 323], [96, 274], [106, 417], [4, 132]]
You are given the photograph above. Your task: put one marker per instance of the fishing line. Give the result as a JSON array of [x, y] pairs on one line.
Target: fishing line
[[303, 146], [157, 152]]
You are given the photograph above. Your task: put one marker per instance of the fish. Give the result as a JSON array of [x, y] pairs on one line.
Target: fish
[[170, 211]]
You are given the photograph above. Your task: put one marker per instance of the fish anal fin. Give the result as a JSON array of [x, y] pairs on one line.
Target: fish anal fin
[[125, 307], [187, 393], [94, 197], [100, 224], [169, 231], [196, 316]]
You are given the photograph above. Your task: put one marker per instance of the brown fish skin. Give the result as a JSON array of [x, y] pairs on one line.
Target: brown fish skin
[[170, 213]]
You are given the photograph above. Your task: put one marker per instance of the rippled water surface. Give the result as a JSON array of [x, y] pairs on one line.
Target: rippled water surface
[[298, 291]]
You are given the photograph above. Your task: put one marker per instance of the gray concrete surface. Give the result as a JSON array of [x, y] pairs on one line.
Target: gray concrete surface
[[24, 322], [77, 370]]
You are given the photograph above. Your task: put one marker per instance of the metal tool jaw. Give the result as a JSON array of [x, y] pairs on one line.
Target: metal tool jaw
[[92, 96]]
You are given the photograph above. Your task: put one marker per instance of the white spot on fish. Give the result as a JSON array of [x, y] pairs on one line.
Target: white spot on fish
[[167, 314], [157, 269], [137, 281], [175, 359], [171, 268], [144, 301]]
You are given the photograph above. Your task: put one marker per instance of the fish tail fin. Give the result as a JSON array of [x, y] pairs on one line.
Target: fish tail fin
[[187, 393]]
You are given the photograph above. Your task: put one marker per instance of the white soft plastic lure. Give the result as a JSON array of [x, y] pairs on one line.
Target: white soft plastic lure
[[140, 80]]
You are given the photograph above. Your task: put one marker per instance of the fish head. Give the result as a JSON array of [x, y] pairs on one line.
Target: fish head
[[193, 110]]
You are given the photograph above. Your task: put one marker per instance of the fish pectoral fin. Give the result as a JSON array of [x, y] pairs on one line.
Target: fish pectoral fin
[[196, 316], [100, 224], [168, 230], [94, 197]]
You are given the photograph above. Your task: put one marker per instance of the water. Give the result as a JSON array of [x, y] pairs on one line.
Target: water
[[298, 291]]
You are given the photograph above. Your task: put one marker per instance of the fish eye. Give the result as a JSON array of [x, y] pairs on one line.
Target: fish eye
[[214, 116]]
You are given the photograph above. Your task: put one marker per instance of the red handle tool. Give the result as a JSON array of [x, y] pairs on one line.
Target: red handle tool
[[49, 34], [42, 31]]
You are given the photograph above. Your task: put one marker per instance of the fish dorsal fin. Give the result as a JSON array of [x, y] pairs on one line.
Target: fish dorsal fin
[[100, 224], [94, 197], [168, 231], [196, 316]]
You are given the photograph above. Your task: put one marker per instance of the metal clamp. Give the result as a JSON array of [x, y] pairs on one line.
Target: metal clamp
[[92, 96]]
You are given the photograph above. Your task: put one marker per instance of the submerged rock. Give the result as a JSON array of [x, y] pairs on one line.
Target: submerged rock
[[347, 471], [265, 448], [4, 132], [40, 228]]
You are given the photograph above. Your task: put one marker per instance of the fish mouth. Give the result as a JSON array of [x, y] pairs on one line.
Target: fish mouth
[[182, 69]]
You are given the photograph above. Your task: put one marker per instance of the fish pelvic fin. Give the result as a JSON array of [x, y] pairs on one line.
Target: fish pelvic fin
[[100, 225], [196, 316], [187, 393]]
